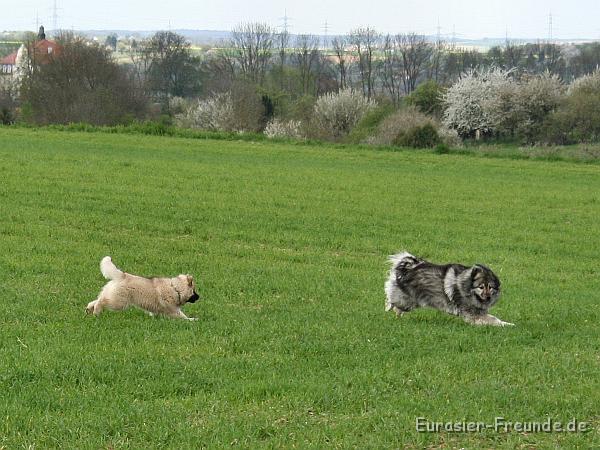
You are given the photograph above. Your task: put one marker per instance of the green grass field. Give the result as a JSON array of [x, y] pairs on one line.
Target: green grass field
[[288, 244]]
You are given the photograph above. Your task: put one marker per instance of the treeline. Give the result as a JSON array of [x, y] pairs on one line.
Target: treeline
[[363, 87]]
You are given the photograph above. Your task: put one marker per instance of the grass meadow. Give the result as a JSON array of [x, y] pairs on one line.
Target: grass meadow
[[288, 244]]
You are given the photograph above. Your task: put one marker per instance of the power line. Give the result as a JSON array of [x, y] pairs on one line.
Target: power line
[[286, 20]]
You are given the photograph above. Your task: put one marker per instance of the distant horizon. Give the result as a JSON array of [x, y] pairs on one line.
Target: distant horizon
[[465, 19], [222, 31]]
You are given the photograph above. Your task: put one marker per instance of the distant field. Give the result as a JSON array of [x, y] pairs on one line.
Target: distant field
[[7, 47], [289, 244]]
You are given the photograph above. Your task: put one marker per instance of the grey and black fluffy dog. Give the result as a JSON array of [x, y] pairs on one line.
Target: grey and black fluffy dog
[[468, 292]]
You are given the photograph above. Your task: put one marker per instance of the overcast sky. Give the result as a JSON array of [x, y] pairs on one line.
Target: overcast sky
[[467, 18]]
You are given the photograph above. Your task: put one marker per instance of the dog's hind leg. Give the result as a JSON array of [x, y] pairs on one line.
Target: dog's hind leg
[[397, 300], [106, 302], [89, 309], [401, 309], [96, 306]]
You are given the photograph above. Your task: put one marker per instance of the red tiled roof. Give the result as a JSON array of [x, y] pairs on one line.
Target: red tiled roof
[[42, 50], [9, 60], [45, 44]]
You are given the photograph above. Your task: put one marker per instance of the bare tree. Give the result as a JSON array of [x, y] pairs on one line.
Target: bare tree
[[434, 66], [415, 52], [365, 42], [282, 43], [513, 54], [390, 69], [339, 47], [306, 57], [252, 48], [218, 70], [140, 60]]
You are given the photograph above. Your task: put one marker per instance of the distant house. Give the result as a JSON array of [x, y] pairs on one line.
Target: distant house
[[8, 63], [40, 51], [44, 50]]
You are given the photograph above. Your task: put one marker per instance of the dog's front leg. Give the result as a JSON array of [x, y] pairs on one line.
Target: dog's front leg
[[487, 319], [178, 314]]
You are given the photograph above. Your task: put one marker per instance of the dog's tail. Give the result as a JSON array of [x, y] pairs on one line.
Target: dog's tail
[[109, 270], [404, 259], [403, 262]]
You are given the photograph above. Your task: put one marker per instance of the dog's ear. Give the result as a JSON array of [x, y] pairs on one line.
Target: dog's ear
[[475, 270], [190, 280]]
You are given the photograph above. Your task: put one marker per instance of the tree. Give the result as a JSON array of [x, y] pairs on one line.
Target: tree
[[339, 47], [218, 70], [111, 42], [480, 102], [282, 41], [81, 83], [390, 68], [252, 45], [140, 61], [306, 58], [415, 52], [172, 70], [365, 42]]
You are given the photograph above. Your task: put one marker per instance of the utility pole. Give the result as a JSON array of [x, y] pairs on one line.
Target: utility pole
[[550, 37], [453, 36], [325, 37], [285, 19]]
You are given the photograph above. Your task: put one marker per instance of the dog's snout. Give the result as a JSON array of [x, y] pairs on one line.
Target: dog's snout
[[194, 297]]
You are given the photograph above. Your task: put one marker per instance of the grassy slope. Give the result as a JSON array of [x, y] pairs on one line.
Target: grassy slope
[[289, 245]]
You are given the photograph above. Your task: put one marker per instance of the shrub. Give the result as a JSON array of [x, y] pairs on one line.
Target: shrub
[[449, 138], [367, 126], [577, 118], [239, 110], [409, 127], [7, 106], [249, 109], [178, 105], [399, 122], [494, 103], [536, 98], [586, 84], [423, 136], [442, 149], [277, 128], [428, 98], [335, 114], [212, 114], [301, 110]]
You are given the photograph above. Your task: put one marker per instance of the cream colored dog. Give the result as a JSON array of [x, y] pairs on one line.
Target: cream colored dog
[[155, 295]]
